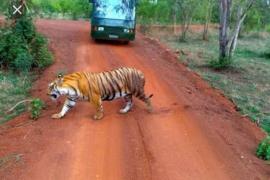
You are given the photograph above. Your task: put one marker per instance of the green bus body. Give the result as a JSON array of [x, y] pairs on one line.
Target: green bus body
[[113, 19]]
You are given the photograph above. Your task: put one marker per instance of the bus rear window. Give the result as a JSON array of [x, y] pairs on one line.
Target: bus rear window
[[115, 9]]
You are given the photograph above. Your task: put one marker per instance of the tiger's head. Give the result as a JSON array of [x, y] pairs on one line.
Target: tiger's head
[[55, 88]]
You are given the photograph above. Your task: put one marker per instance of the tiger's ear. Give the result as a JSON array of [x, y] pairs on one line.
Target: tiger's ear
[[60, 78], [60, 75]]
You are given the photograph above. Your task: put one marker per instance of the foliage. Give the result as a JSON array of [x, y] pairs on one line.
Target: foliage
[[263, 150], [220, 64], [148, 12], [258, 17], [22, 48], [161, 12], [67, 8], [246, 83], [36, 107], [14, 88], [187, 9], [253, 20], [42, 57]]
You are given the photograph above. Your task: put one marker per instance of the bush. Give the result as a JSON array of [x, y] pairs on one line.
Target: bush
[[220, 64], [36, 107], [25, 28], [42, 57], [263, 150], [267, 28], [23, 62], [22, 48]]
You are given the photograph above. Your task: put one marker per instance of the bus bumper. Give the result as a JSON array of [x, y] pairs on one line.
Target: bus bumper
[[116, 34]]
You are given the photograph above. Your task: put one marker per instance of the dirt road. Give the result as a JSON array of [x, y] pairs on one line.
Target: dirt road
[[193, 133]]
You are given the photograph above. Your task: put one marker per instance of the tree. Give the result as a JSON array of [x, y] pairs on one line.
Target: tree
[[225, 8], [242, 11], [174, 8], [3, 6], [208, 16], [228, 42], [257, 18], [186, 9]]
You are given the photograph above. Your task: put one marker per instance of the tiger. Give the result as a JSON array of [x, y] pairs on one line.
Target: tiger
[[96, 87]]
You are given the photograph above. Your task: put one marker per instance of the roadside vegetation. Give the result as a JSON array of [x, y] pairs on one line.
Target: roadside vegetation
[[65, 9], [245, 82], [234, 58], [244, 74], [14, 88], [23, 54], [263, 150]]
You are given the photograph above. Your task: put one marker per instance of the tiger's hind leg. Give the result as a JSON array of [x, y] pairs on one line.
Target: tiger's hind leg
[[147, 101], [128, 104], [140, 94]]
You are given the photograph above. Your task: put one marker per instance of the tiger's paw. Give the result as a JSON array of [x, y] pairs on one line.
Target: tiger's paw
[[123, 111], [98, 116], [126, 109], [56, 116]]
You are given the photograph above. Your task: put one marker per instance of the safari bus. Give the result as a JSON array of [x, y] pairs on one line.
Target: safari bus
[[113, 19]]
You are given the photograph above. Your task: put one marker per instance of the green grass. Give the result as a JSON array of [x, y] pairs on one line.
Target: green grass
[[246, 82], [14, 88]]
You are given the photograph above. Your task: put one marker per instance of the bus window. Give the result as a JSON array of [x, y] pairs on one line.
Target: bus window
[[113, 19]]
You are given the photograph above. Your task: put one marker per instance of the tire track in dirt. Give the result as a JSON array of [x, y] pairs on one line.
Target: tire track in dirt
[[101, 157], [166, 101]]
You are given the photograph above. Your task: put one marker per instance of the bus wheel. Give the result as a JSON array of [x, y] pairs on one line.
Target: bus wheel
[[126, 42]]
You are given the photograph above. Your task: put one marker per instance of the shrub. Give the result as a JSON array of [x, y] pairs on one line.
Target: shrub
[[42, 57], [267, 28], [25, 28], [22, 48], [36, 107], [23, 62], [220, 64], [263, 150]]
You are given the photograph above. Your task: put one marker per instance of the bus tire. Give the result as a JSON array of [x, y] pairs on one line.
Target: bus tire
[[126, 42]]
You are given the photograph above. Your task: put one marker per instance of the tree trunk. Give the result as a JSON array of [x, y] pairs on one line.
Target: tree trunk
[[205, 31], [184, 28], [241, 15], [207, 19], [174, 23], [224, 8], [233, 41], [174, 11]]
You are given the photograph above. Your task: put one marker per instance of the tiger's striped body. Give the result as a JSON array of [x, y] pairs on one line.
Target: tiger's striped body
[[97, 87]]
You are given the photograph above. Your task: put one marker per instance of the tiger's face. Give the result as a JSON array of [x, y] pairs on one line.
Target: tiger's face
[[53, 92], [54, 88]]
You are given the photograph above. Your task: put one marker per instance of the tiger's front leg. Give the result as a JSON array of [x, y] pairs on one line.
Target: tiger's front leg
[[69, 103]]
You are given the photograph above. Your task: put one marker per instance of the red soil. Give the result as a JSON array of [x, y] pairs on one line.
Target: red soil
[[193, 133]]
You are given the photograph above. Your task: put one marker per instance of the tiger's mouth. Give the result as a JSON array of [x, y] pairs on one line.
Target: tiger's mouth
[[53, 96]]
